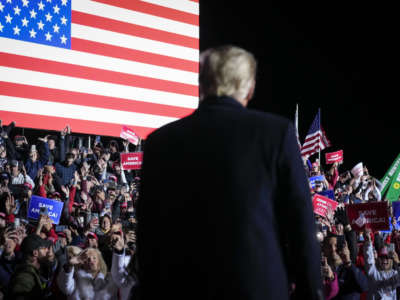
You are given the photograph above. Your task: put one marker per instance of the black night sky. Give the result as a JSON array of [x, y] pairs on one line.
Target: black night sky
[[337, 57]]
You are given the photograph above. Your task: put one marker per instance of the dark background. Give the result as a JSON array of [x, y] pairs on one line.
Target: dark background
[[341, 58]]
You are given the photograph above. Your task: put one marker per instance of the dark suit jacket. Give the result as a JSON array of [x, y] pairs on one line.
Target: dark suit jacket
[[225, 210]]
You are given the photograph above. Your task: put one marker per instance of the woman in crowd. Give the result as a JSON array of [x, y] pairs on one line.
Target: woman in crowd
[[85, 277]]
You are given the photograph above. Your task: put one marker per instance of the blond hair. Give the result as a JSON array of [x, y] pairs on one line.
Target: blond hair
[[227, 71], [102, 264]]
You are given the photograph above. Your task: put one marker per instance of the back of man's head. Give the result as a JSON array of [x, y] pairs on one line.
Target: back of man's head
[[227, 71]]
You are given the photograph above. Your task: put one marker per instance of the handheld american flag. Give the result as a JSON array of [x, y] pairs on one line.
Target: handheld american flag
[[98, 65], [316, 139]]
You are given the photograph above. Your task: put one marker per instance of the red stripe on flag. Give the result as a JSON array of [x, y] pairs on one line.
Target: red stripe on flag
[[134, 55], [155, 10], [134, 30], [47, 66], [310, 151], [62, 96], [79, 126]]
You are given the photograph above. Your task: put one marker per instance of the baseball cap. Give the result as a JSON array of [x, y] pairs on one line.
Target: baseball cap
[[28, 185], [4, 175], [383, 252], [2, 215], [92, 235], [33, 242], [61, 234], [14, 163]]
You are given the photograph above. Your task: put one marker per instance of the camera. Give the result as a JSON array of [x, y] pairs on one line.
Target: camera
[[43, 211]]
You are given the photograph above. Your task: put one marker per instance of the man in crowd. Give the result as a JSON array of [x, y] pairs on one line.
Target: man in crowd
[[26, 282], [231, 186]]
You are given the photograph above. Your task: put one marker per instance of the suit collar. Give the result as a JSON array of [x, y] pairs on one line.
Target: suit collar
[[217, 101]]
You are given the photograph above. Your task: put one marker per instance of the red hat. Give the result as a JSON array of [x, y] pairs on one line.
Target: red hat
[[92, 235], [124, 204], [112, 177], [383, 252], [115, 163], [62, 234], [55, 194], [28, 185]]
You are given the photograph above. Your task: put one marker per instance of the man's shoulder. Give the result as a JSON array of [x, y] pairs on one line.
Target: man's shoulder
[[246, 117], [24, 278]]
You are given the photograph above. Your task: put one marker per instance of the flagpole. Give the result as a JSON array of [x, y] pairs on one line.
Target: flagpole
[[319, 145]]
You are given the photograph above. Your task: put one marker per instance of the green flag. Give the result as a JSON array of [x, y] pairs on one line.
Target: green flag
[[394, 189], [387, 179]]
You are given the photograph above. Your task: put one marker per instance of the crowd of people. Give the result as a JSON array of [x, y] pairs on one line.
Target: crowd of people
[[355, 264], [90, 254]]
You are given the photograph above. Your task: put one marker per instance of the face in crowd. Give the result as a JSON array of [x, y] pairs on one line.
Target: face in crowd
[[91, 261]]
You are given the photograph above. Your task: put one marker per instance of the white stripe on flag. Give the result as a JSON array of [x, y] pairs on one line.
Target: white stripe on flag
[[182, 5], [38, 107], [96, 61], [138, 43], [95, 87], [134, 17]]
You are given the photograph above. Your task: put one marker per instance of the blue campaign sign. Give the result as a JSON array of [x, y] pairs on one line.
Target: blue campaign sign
[[396, 210], [328, 193], [316, 178], [54, 208], [396, 214]]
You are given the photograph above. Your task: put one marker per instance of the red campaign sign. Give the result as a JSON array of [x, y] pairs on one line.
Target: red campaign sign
[[374, 215], [130, 135], [333, 157], [132, 161], [322, 204]]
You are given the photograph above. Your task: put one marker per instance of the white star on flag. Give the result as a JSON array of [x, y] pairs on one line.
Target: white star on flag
[[32, 33], [49, 17], [41, 5], [64, 20], [56, 28], [63, 39], [48, 36], [56, 9], [8, 19], [48, 1], [64, 2], [1, 6], [25, 3], [17, 10], [16, 30], [25, 22], [1, 27], [9, 1], [40, 25], [33, 14]]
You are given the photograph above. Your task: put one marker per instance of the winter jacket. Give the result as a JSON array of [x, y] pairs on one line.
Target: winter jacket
[[66, 173], [7, 268], [382, 284], [78, 284], [122, 279], [26, 283], [352, 282], [331, 288], [32, 168]]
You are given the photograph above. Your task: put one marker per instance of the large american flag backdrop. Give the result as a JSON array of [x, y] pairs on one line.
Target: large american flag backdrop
[[98, 65]]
